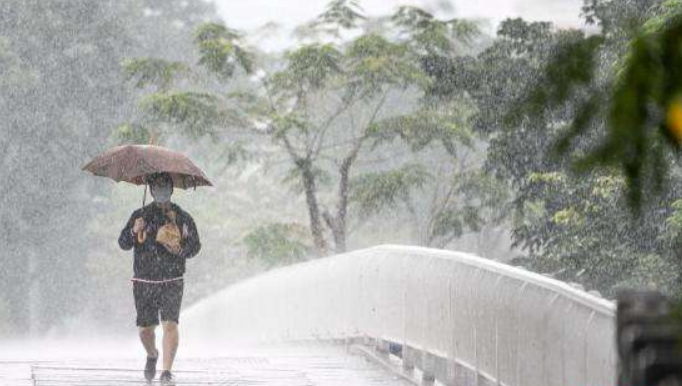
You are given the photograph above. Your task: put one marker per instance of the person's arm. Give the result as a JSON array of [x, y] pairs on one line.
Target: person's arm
[[127, 238], [190, 243]]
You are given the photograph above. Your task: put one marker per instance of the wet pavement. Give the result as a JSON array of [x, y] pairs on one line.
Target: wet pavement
[[290, 366]]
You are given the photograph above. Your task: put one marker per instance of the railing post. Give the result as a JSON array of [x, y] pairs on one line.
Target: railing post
[[424, 360], [475, 314], [497, 333], [407, 365], [563, 346], [382, 347], [545, 343], [452, 355], [428, 368], [586, 360], [409, 356], [518, 334]]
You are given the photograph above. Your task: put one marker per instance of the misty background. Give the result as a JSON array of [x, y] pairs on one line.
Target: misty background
[[66, 96]]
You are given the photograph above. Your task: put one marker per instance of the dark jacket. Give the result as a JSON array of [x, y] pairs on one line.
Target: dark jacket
[[152, 260]]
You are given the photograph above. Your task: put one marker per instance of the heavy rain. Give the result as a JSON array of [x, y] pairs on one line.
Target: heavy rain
[[340, 192]]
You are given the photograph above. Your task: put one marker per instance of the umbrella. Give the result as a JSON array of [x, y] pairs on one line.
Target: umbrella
[[133, 163]]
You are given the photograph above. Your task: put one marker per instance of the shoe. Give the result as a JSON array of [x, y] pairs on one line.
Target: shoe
[[150, 368], [167, 378]]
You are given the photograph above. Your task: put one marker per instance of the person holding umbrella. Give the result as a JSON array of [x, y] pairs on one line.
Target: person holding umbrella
[[162, 235]]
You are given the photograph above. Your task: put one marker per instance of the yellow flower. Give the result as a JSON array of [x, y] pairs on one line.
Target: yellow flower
[[675, 118]]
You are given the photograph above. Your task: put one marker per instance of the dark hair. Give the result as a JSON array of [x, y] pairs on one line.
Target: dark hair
[[160, 179]]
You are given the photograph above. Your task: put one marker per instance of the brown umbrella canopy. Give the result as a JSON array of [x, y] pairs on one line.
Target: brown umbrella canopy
[[132, 163]]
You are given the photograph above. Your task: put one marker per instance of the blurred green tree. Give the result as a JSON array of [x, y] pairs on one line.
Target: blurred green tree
[[62, 89], [326, 107], [586, 101]]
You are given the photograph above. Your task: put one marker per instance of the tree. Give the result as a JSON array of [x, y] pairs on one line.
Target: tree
[[62, 90], [322, 108], [580, 230], [577, 225], [634, 102], [278, 244]]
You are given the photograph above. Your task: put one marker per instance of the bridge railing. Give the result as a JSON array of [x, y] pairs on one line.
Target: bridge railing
[[461, 319]]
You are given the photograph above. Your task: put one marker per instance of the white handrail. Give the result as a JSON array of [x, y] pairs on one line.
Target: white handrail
[[482, 321]]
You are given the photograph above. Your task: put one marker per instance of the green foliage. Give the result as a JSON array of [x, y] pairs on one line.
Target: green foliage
[[548, 101], [652, 271], [452, 222], [581, 230], [220, 50], [486, 192], [413, 18], [340, 14], [284, 124], [197, 113], [234, 153], [374, 192], [321, 106], [572, 65], [615, 18], [430, 36], [474, 199], [495, 81], [309, 68], [674, 221], [278, 244], [294, 177], [155, 72], [642, 90], [461, 200], [375, 63], [430, 124], [666, 13], [522, 36], [214, 31], [131, 134]]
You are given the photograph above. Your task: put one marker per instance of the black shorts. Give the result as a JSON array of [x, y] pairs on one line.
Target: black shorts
[[154, 299]]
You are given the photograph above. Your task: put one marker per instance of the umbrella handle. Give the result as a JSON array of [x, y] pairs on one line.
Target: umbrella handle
[[144, 197], [142, 235]]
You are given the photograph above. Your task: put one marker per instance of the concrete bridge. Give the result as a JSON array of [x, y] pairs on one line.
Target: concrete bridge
[[422, 316], [452, 317]]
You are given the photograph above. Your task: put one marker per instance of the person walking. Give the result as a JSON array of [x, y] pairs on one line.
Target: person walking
[[163, 237]]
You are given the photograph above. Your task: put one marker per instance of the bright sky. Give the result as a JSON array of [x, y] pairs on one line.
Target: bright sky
[[247, 14], [250, 14]]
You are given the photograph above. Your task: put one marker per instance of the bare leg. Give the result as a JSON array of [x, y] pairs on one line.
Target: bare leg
[[171, 338], [148, 338]]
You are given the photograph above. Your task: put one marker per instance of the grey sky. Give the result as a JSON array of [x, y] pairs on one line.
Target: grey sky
[[249, 14]]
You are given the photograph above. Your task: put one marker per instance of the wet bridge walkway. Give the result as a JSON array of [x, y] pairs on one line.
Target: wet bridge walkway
[[299, 366]]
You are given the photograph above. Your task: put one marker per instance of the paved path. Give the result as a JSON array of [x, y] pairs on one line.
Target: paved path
[[296, 366]]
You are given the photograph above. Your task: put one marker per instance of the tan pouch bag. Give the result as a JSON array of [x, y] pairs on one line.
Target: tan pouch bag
[[169, 235]]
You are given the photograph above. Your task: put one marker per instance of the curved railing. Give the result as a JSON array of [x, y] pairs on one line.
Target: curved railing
[[461, 319]]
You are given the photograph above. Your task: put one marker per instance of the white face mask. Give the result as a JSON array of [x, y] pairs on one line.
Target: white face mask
[[162, 193]]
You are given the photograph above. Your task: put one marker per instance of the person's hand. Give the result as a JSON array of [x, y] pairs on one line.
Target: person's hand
[[139, 225]]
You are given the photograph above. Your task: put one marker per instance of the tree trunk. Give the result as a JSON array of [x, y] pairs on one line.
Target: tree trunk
[[313, 208], [340, 225]]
